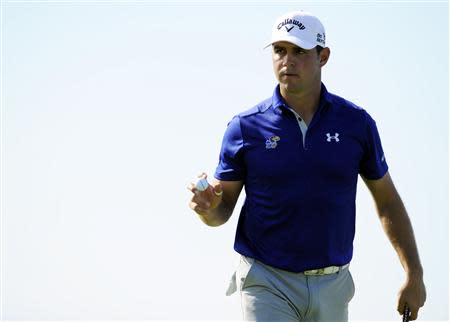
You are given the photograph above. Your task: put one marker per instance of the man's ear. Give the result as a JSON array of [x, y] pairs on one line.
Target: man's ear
[[324, 56]]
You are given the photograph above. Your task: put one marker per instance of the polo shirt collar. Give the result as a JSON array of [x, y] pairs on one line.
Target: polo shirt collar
[[278, 103]]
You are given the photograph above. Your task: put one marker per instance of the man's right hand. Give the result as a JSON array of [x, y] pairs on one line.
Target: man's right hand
[[215, 205], [202, 202]]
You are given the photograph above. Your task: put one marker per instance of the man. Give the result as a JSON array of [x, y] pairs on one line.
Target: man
[[299, 154]]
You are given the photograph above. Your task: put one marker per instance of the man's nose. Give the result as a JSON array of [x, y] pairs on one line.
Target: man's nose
[[289, 60]]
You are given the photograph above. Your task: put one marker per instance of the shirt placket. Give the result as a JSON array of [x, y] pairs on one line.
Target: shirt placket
[[303, 127]]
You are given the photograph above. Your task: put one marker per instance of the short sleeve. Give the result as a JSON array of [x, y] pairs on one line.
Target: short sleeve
[[373, 165], [231, 164]]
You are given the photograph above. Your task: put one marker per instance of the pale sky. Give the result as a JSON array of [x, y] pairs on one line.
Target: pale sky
[[109, 110]]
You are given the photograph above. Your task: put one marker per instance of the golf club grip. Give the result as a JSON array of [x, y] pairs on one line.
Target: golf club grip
[[406, 314]]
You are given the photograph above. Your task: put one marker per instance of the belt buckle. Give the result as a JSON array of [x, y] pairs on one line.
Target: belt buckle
[[319, 271], [324, 270]]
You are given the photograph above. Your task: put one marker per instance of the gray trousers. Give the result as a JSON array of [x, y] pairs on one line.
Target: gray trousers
[[269, 294]]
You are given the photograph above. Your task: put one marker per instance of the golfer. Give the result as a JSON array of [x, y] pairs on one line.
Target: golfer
[[298, 155]]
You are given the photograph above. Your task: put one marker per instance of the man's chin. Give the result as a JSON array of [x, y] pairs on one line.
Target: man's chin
[[291, 88]]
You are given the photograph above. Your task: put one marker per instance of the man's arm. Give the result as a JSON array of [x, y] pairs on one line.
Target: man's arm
[[396, 224], [215, 205]]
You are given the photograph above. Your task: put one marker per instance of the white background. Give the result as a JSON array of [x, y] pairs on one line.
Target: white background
[[110, 109]]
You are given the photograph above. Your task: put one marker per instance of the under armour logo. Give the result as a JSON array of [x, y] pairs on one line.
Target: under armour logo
[[288, 29], [334, 137]]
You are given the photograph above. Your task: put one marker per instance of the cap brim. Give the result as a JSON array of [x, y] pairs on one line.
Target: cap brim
[[293, 40]]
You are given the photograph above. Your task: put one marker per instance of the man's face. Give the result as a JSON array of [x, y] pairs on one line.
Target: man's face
[[297, 69]]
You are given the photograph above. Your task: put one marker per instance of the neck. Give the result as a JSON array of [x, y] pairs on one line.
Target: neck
[[305, 103]]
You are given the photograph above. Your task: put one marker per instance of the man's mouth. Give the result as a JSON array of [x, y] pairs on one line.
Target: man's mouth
[[289, 75]]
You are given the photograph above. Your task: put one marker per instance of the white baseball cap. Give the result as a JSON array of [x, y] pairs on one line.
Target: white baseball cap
[[300, 28]]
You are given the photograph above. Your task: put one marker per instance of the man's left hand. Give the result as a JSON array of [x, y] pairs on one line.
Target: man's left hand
[[412, 294]]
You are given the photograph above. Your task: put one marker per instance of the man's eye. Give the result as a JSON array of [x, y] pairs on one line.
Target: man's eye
[[278, 50], [301, 51]]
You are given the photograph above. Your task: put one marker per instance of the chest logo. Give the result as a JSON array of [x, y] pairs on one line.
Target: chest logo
[[334, 137], [271, 143]]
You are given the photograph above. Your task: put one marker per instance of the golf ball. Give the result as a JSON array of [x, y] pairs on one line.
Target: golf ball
[[202, 184]]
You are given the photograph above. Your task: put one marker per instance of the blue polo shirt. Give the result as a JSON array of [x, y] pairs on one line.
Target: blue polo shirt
[[299, 210]]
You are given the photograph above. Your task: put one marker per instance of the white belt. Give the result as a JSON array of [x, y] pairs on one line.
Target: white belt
[[325, 270]]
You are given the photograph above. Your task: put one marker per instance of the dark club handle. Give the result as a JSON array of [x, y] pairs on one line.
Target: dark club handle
[[406, 313]]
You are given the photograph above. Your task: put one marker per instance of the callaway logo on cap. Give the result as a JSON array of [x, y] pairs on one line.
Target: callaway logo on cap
[[299, 28]]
